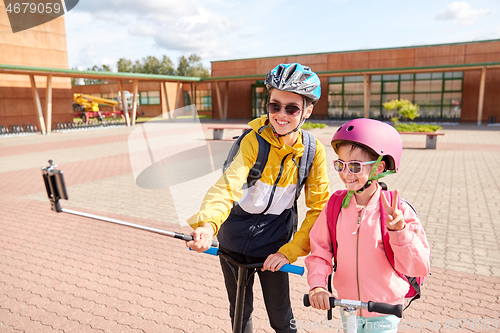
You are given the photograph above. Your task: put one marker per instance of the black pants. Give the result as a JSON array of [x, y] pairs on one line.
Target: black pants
[[275, 288]]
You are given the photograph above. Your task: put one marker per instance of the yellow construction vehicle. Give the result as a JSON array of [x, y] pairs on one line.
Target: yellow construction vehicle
[[87, 106]]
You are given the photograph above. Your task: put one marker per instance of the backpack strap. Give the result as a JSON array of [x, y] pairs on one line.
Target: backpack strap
[[332, 215], [388, 249], [334, 206], [262, 156], [306, 161]]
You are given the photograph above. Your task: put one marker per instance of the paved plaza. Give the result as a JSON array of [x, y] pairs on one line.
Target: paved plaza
[[64, 273]]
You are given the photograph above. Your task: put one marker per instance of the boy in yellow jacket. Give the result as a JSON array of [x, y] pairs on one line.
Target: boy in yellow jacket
[[255, 223]]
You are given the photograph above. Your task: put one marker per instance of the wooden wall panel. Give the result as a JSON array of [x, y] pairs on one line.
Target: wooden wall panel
[[233, 72], [478, 48], [41, 46], [470, 95]]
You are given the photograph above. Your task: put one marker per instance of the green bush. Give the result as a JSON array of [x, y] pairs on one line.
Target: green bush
[[309, 125], [404, 107], [412, 127]]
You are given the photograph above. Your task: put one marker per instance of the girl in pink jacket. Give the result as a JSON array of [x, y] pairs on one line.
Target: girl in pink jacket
[[367, 150]]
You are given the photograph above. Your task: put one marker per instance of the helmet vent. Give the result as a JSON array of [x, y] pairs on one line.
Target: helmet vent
[[339, 128], [350, 128]]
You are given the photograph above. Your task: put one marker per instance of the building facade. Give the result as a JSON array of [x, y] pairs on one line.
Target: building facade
[[41, 46], [444, 80]]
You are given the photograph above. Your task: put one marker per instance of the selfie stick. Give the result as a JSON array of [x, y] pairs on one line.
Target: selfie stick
[[56, 189]]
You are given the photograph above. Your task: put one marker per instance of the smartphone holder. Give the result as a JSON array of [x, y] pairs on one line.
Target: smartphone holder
[[55, 186]]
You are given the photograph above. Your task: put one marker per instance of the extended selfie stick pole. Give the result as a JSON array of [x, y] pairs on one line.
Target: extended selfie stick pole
[[56, 189]]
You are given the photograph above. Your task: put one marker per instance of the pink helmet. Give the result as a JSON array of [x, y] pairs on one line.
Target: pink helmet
[[382, 138]]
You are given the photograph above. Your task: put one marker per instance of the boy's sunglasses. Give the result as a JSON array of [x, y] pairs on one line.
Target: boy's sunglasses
[[354, 167], [291, 110]]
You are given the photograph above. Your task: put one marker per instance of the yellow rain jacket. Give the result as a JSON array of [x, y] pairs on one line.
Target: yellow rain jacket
[[258, 220]]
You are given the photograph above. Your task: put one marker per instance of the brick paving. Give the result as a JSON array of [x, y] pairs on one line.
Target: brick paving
[[65, 273]]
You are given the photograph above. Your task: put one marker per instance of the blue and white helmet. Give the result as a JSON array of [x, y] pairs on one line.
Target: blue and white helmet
[[295, 78]]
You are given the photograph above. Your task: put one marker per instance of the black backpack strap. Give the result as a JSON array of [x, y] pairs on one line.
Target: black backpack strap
[[306, 161], [258, 168], [234, 150], [262, 156]]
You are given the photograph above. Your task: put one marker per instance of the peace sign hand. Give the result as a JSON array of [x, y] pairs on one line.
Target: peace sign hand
[[395, 218]]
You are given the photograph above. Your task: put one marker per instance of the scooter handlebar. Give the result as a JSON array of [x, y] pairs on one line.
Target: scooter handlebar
[[394, 309], [384, 308], [307, 303], [288, 268]]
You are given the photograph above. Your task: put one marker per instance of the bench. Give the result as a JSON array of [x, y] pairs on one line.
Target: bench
[[430, 140], [219, 130]]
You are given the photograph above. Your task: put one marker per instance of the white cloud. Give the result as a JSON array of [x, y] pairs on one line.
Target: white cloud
[[182, 26], [462, 13]]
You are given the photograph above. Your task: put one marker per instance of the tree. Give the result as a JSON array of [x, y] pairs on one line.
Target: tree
[[187, 66], [167, 66], [192, 66], [103, 68], [124, 65]]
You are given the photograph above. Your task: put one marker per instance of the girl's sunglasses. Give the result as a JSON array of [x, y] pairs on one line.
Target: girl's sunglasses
[[354, 167], [291, 110]]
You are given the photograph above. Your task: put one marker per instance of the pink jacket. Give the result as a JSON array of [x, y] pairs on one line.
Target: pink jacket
[[363, 270]]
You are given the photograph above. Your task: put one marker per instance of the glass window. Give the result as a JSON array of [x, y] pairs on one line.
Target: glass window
[[354, 112], [207, 102], [154, 97], [430, 112], [422, 76], [335, 112], [454, 99], [375, 100], [409, 97], [353, 79], [389, 97], [355, 87], [391, 87], [436, 75], [428, 99], [436, 85], [407, 86], [375, 87], [392, 77], [335, 79], [259, 100], [453, 85], [335, 88], [424, 85], [335, 101], [187, 98], [431, 91], [353, 100]]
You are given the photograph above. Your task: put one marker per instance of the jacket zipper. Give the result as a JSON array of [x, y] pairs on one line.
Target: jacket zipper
[[357, 259], [268, 204], [271, 197]]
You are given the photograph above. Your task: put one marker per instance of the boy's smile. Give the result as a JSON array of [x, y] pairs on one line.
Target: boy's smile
[[282, 121]]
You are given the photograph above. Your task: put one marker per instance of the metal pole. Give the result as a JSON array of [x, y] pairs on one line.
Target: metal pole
[[136, 226]]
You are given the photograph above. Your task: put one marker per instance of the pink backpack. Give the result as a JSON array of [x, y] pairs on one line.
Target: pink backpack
[[333, 211]]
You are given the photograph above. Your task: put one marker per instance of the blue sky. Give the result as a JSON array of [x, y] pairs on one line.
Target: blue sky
[[100, 32]]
